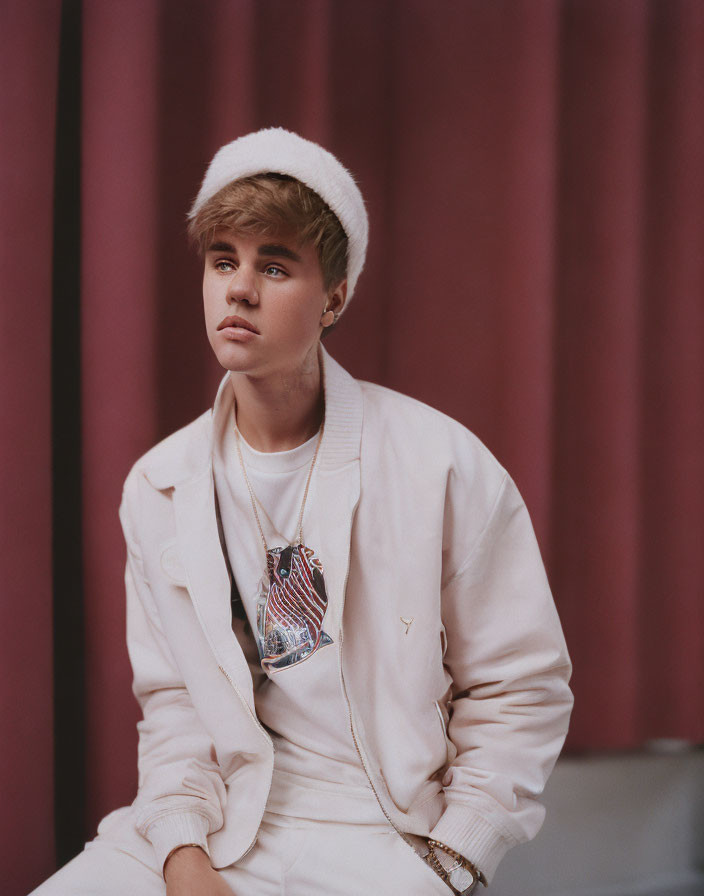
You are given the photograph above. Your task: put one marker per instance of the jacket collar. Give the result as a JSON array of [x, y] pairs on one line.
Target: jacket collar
[[175, 461]]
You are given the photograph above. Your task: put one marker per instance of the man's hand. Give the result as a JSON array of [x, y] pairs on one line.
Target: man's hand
[[188, 872], [420, 844]]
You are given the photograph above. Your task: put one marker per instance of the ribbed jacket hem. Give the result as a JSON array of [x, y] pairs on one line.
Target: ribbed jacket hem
[[177, 829], [471, 835]]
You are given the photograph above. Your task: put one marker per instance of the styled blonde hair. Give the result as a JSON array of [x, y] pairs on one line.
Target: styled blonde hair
[[275, 204]]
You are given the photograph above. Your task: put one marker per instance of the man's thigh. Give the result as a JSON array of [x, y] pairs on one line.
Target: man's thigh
[[301, 858], [292, 858], [349, 860], [118, 857], [102, 870]]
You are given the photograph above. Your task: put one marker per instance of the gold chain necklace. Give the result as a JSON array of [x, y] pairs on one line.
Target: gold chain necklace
[[253, 497], [292, 597]]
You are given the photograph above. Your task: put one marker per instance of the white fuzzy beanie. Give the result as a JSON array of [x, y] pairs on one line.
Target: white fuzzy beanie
[[283, 152]]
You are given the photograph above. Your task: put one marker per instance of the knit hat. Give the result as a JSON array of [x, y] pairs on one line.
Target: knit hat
[[280, 151]]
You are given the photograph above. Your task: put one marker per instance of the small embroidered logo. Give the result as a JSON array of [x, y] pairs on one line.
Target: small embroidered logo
[[407, 622]]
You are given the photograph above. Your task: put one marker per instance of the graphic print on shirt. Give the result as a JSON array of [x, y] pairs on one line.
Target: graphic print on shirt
[[290, 608]]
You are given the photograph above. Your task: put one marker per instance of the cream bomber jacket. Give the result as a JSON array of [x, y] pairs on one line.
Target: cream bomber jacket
[[458, 716]]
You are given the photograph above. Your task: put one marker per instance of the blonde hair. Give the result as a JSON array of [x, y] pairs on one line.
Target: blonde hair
[[275, 204]]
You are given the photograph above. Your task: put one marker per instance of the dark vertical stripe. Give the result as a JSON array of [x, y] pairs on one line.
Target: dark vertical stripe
[[69, 650], [184, 128]]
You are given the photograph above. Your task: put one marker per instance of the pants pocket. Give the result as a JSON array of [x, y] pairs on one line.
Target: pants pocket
[[422, 872]]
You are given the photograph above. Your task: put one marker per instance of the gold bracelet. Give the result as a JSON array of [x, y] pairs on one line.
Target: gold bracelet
[[470, 866]]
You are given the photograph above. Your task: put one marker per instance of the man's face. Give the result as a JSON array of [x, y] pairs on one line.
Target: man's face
[[274, 286]]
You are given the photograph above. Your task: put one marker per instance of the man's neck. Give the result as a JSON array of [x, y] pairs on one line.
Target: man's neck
[[280, 412]]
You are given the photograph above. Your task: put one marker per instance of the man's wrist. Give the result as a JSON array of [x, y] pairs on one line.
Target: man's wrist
[[184, 856]]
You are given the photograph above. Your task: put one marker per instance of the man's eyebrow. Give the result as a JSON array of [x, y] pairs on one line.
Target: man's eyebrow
[[221, 247], [268, 249], [277, 249]]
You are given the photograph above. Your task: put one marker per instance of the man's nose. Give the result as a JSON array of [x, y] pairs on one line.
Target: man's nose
[[243, 286]]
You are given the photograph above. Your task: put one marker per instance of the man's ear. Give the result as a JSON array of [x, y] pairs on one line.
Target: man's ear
[[337, 297]]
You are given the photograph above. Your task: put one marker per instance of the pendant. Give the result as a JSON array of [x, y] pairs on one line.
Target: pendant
[[290, 607]]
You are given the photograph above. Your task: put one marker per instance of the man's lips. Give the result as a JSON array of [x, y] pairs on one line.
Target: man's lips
[[235, 321]]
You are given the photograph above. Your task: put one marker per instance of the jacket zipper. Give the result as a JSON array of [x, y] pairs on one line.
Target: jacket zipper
[[354, 735], [401, 833], [364, 764], [261, 728]]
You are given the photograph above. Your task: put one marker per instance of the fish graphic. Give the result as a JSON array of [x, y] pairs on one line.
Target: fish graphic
[[291, 607]]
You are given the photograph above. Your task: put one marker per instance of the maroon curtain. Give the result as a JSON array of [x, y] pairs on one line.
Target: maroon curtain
[[534, 173], [28, 75]]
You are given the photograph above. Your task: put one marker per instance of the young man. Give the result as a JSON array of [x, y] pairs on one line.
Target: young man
[[351, 669]]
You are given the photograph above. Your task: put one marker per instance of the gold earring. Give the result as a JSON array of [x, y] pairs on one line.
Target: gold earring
[[327, 318]]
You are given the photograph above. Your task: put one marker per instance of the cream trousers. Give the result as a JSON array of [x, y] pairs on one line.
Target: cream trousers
[[292, 857]]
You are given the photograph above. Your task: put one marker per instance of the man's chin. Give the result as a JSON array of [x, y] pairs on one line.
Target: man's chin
[[237, 357]]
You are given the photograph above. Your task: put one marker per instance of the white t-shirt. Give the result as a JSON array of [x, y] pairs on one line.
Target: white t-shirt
[[317, 770]]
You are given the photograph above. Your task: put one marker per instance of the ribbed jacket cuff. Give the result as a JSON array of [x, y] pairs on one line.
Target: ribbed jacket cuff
[[177, 829], [471, 835]]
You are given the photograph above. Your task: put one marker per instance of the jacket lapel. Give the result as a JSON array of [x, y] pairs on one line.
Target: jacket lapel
[[207, 575], [329, 519]]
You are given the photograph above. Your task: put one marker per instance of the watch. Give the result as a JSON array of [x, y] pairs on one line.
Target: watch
[[457, 871], [460, 877]]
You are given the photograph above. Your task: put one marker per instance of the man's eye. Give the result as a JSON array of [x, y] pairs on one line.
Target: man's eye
[[275, 270], [224, 266]]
